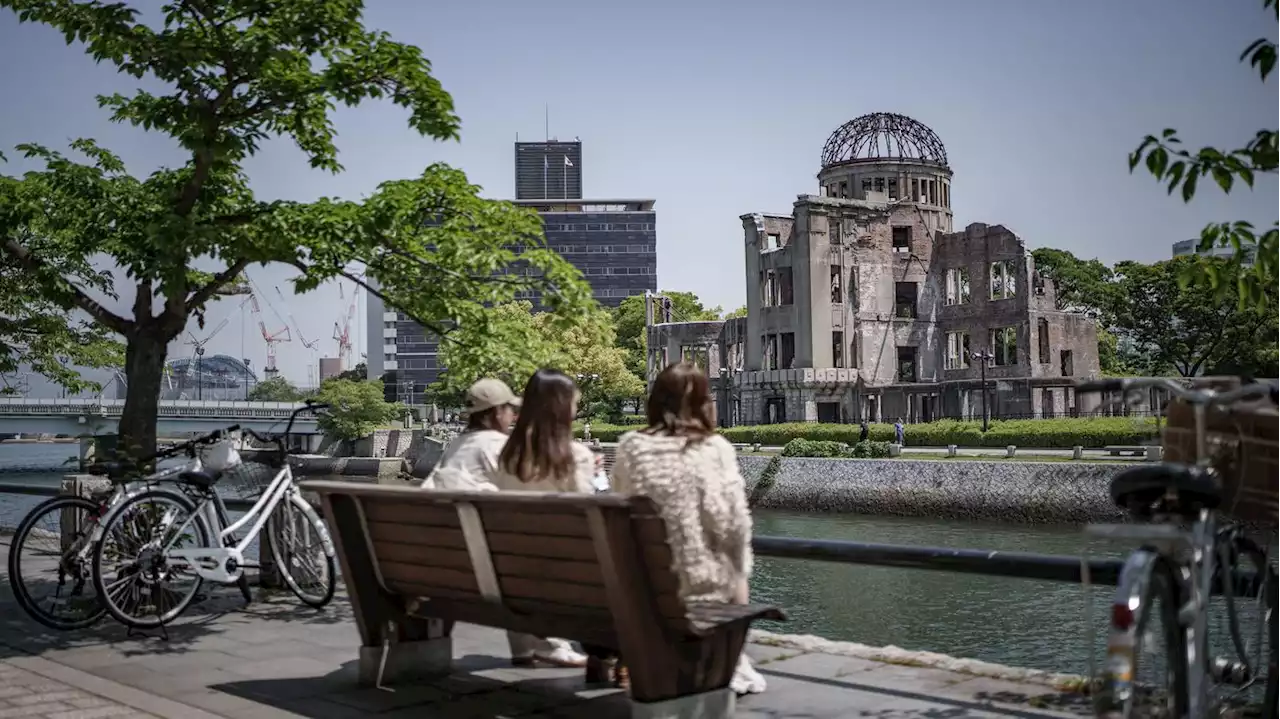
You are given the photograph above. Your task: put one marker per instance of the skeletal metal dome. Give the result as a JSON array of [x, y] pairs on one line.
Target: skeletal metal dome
[[883, 136]]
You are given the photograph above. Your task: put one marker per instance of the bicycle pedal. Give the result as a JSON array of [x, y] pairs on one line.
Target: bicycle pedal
[[1225, 671]]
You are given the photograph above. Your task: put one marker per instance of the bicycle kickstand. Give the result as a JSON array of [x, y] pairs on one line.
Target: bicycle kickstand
[[243, 584]]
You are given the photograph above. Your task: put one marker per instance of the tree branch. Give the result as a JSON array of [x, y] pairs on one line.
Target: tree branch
[[31, 263], [205, 293], [435, 327]]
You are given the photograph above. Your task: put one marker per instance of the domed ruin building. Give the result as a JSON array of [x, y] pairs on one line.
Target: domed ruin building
[[862, 302]]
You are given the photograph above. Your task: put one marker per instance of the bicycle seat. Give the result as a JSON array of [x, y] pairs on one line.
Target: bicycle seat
[[1196, 487], [203, 480]]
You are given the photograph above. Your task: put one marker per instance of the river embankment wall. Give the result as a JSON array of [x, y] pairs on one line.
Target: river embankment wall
[[1023, 492]]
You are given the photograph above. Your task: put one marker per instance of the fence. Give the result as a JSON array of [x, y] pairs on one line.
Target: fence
[[1013, 564]]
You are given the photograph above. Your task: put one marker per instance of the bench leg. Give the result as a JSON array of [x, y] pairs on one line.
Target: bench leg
[[687, 679], [422, 649]]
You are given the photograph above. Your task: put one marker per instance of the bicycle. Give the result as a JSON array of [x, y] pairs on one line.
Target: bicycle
[[203, 545], [1187, 552], [77, 520]]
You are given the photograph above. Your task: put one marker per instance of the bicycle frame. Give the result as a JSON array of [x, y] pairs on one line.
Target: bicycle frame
[[121, 492]]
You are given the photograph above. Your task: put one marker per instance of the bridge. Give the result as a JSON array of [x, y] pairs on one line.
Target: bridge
[[77, 417]]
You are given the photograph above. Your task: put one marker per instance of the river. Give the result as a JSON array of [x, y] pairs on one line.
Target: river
[[1009, 621]]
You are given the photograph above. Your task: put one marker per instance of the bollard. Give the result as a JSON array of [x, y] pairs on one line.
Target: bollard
[[1011, 450], [951, 450], [1155, 453], [1077, 452], [895, 450], [755, 447]]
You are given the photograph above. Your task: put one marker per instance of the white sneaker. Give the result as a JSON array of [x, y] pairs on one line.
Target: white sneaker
[[746, 680], [560, 653]]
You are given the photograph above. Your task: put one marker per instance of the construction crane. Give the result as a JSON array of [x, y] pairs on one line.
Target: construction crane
[[342, 330], [312, 367], [194, 363], [271, 338]]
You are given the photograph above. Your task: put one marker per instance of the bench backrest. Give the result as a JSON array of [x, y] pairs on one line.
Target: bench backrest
[[535, 554]]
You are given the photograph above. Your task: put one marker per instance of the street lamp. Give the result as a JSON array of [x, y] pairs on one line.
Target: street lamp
[[982, 358], [246, 378]]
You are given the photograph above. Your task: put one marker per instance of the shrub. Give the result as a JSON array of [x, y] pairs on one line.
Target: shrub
[[814, 448]]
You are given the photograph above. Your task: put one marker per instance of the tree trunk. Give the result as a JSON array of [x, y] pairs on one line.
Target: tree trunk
[[144, 357]]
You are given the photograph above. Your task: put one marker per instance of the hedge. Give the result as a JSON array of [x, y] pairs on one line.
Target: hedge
[[1064, 432], [824, 448]]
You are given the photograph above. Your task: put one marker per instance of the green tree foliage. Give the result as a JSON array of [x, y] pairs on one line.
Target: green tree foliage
[[629, 320], [224, 77], [1195, 329], [734, 314], [1181, 169], [586, 347], [275, 389], [356, 374], [355, 408], [1086, 286]]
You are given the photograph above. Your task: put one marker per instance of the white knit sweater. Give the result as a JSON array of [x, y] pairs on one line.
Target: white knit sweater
[[702, 496]]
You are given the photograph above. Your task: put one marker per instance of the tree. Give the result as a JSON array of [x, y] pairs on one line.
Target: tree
[[533, 341], [234, 74], [1081, 285], [1193, 330], [356, 374], [355, 408], [629, 321], [1181, 169], [275, 389], [36, 332], [734, 314]]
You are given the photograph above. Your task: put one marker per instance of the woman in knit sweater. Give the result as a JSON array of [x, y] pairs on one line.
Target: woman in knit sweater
[[691, 474]]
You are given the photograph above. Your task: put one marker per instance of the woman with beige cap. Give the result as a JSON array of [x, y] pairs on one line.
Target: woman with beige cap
[[472, 457]]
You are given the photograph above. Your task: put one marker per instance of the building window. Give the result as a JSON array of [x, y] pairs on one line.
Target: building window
[[866, 185], [775, 410], [879, 181], [788, 350], [958, 286], [771, 241], [904, 299], [785, 290], [829, 412], [915, 191], [1004, 346], [902, 239], [957, 350], [1004, 280], [1042, 339], [837, 291], [893, 188], [907, 364], [771, 352], [695, 355], [1068, 367], [837, 349], [844, 190]]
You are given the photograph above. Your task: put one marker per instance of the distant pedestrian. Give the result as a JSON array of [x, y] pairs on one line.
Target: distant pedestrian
[[864, 432], [900, 433]]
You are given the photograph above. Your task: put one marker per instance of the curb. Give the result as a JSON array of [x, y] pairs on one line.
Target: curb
[[107, 689]]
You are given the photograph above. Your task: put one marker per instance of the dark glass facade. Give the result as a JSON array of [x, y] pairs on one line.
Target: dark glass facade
[[547, 170]]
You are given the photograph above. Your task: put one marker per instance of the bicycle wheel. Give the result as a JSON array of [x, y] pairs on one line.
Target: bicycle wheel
[[137, 581], [49, 564], [294, 533], [1146, 671], [1245, 669]]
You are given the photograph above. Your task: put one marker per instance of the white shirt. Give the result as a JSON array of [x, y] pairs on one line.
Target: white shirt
[[468, 462]]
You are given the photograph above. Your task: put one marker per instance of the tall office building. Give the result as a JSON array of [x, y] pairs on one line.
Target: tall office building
[[612, 241], [549, 169]]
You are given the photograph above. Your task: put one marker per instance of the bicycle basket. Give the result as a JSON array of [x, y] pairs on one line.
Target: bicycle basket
[[1241, 443], [246, 480]]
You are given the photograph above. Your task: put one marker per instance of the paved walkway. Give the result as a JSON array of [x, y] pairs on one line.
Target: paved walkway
[[277, 660]]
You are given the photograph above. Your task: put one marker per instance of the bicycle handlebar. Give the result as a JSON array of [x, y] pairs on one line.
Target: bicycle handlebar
[[124, 466], [1192, 395]]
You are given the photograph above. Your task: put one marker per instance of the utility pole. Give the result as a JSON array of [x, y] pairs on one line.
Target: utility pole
[[982, 358]]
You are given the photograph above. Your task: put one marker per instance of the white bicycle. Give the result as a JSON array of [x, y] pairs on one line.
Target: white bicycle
[[162, 542]]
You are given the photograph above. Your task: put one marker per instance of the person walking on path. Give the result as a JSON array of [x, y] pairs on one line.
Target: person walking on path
[[900, 433], [542, 456], [864, 432]]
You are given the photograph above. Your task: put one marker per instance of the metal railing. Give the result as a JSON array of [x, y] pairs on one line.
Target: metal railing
[[22, 406]]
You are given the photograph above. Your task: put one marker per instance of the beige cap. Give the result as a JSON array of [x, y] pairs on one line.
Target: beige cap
[[489, 393]]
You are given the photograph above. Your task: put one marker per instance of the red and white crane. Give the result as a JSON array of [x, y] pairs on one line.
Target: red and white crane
[[271, 338], [342, 330], [312, 345]]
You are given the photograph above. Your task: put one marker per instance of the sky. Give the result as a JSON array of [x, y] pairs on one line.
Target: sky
[[716, 108]]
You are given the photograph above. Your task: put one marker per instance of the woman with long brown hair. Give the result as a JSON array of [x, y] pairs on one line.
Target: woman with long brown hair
[[691, 474], [542, 456]]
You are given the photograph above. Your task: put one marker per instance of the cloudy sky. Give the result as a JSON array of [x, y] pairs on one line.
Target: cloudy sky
[[719, 107]]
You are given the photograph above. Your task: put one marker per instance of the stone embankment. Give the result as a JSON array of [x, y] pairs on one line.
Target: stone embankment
[[1029, 492]]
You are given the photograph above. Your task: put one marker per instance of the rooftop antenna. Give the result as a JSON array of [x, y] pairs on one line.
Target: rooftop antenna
[[546, 120]]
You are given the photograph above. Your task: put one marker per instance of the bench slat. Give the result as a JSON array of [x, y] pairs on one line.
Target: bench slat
[[533, 525], [416, 515], [550, 547], [418, 536], [418, 575], [427, 556]]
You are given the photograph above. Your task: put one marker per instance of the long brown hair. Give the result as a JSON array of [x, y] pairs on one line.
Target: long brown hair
[[680, 403], [541, 445]]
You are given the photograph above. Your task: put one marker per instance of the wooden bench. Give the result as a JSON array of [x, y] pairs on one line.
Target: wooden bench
[[591, 568]]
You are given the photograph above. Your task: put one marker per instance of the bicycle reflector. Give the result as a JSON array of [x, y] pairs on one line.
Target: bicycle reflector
[[1121, 616]]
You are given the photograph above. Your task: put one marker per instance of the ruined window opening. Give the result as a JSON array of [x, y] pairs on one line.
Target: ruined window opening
[[902, 238], [853, 352], [893, 188], [946, 194], [771, 241], [879, 181], [771, 352], [785, 288], [844, 189], [768, 289], [829, 412], [775, 410], [1004, 280], [1042, 330], [1004, 346], [957, 286], [907, 364], [905, 295], [837, 292], [695, 354], [933, 192], [1068, 367], [788, 350], [837, 349], [915, 190], [834, 235], [957, 350], [866, 185], [1046, 403]]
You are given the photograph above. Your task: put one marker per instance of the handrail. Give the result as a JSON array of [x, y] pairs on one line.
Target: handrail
[[11, 406]]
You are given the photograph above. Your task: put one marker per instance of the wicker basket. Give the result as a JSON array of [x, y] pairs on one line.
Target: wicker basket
[[1241, 441]]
